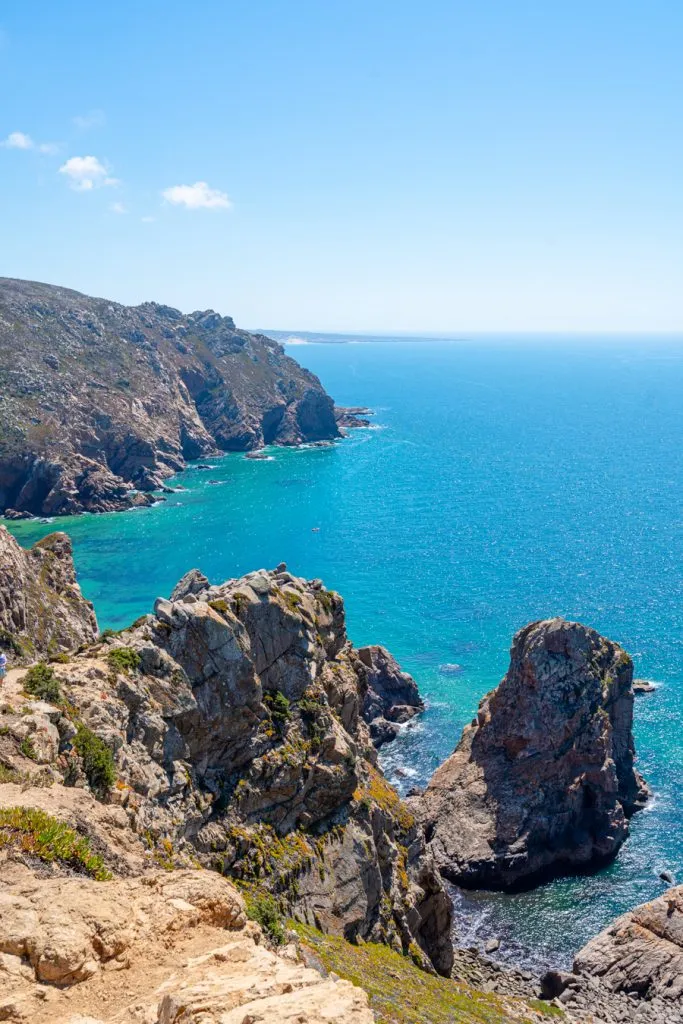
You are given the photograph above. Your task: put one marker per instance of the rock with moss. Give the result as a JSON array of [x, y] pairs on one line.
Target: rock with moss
[[543, 781], [42, 610]]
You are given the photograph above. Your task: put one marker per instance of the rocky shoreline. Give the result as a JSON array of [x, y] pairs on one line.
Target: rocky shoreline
[[100, 403], [235, 730]]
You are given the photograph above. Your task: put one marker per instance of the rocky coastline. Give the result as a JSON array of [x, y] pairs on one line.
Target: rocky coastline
[[100, 403], [218, 759]]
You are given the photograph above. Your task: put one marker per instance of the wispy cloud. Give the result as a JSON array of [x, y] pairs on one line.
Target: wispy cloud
[[93, 119], [18, 140], [197, 197], [148, 220], [86, 172], [118, 208]]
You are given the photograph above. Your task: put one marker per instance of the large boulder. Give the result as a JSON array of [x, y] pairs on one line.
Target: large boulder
[[641, 953], [542, 781], [42, 610]]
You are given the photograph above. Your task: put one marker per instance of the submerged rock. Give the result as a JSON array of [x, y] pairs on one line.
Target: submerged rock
[[543, 780]]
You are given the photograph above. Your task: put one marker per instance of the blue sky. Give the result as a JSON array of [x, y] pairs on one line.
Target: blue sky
[[365, 165]]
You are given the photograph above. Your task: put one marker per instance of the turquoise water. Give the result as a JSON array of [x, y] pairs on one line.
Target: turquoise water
[[506, 481]]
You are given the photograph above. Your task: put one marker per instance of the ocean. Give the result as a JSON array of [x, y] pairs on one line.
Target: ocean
[[503, 480]]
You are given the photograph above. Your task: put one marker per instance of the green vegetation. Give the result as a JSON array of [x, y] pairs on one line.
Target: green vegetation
[[219, 605], [263, 908], [278, 705], [27, 749], [123, 659], [98, 760], [401, 993], [11, 642], [9, 774], [292, 599], [38, 834], [40, 681], [380, 792]]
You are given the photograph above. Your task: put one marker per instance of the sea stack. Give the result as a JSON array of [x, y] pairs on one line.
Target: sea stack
[[543, 780]]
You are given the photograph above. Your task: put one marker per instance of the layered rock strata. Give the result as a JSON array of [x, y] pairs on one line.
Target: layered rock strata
[[543, 780]]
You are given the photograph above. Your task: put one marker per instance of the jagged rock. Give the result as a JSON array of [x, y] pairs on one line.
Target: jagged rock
[[42, 610], [99, 402], [239, 741], [543, 780], [641, 952], [392, 697], [643, 686]]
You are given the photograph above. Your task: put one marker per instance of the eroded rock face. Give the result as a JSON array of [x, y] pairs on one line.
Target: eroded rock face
[[543, 780], [641, 952], [100, 402], [42, 610], [239, 741], [392, 697]]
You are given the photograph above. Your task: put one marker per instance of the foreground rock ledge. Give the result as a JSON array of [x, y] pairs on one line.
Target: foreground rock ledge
[[543, 781]]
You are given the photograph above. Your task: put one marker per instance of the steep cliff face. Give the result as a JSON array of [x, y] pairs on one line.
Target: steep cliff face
[[235, 716], [42, 611], [543, 780], [100, 402]]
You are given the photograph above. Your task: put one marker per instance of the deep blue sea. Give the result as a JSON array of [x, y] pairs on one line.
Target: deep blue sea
[[503, 481]]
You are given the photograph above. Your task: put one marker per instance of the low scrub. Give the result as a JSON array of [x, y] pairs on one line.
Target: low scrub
[[39, 835], [123, 659], [40, 681], [263, 909], [98, 760]]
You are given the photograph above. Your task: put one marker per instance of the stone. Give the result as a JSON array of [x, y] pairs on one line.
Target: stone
[[391, 696], [42, 609], [543, 781], [641, 686]]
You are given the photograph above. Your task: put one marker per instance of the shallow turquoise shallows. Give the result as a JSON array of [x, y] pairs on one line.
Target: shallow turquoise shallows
[[506, 481]]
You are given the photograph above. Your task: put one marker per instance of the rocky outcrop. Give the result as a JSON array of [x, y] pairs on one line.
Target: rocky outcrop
[[42, 611], [169, 948], [234, 713], [391, 698], [543, 780], [641, 953], [100, 402]]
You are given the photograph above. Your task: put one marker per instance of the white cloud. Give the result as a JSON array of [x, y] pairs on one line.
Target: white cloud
[[148, 220], [94, 119], [197, 197], [118, 208], [86, 172], [18, 140], [49, 148]]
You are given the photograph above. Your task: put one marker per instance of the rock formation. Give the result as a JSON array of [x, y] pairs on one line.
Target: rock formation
[[542, 781], [234, 716], [42, 611], [641, 952], [100, 402], [392, 697], [169, 948]]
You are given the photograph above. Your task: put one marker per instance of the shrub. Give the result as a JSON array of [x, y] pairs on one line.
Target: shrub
[[278, 705], [220, 605], [40, 835], [41, 682], [123, 659], [27, 748], [263, 909], [98, 760]]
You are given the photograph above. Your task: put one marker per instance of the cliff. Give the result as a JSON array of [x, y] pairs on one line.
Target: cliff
[[42, 611], [100, 402], [234, 715], [543, 780]]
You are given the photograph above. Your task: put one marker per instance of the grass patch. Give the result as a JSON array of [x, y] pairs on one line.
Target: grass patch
[[37, 833], [123, 659], [263, 909], [401, 993], [27, 749], [98, 760], [40, 681], [219, 605], [9, 774]]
